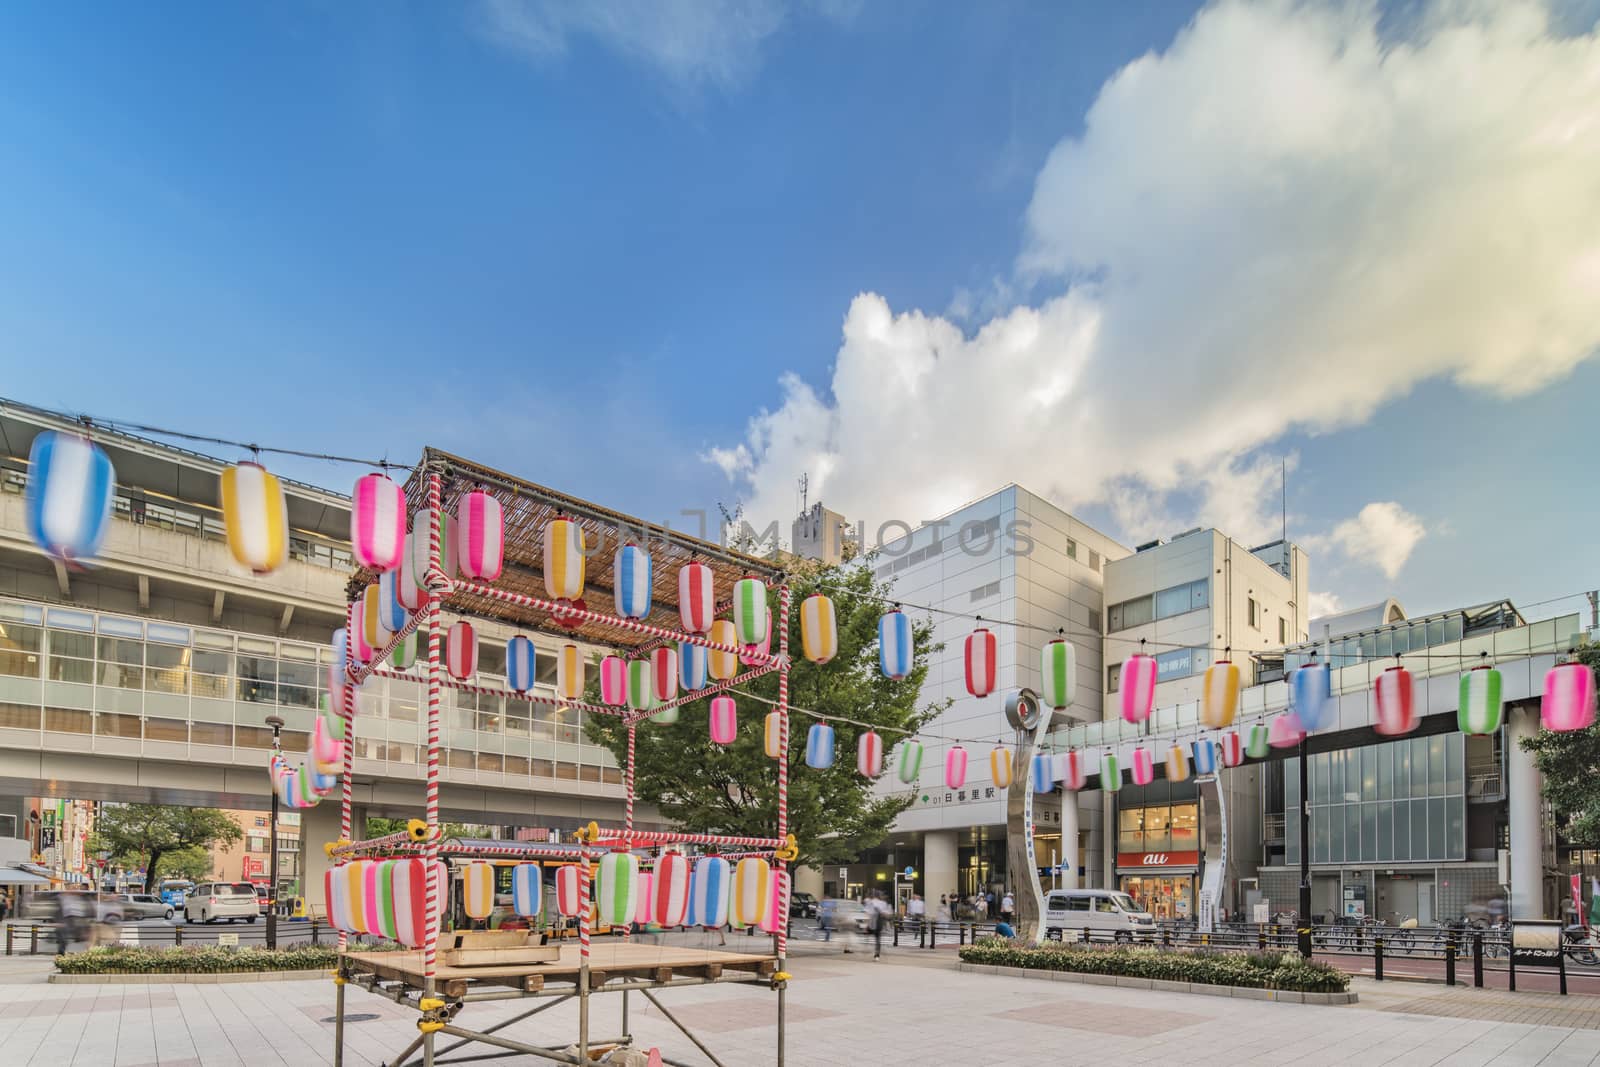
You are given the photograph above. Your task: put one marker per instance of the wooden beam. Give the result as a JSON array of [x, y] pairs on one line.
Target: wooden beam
[[62, 582], [216, 606], [283, 623], [144, 592]]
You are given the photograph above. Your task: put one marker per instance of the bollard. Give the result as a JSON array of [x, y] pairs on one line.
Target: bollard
[[177, 935], [314, 932], [896, 939], [1561, 961], [1477, 960], [1377, 958], [1166, 937], [33, 940], [1450, 961], [1085, 935], [9, 928], [1261, 936], [933, 933]]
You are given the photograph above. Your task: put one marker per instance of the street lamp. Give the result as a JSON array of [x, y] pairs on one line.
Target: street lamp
[[276, 723]]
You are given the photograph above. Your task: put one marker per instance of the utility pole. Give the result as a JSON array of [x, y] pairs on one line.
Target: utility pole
[[276, 723]]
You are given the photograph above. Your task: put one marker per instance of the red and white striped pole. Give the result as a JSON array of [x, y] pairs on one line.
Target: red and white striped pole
[[437, 584], [783, 764], [627, 813], [583, 955], [347, 716]]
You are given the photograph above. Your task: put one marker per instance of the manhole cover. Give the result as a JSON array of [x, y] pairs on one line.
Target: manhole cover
[[355, 1017]]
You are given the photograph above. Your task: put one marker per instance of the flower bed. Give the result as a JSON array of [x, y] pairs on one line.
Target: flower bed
[[207, 959], [1254, 970]]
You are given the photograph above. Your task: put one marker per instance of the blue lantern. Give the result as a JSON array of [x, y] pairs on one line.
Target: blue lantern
[[819, 746], [895, 652], [70, 486]]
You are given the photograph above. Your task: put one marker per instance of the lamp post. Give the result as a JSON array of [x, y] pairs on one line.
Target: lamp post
[[276, 723]]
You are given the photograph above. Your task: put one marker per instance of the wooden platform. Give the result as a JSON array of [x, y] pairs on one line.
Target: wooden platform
[[652, 963]]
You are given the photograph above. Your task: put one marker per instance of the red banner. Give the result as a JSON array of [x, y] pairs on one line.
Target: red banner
[[1157, 860]]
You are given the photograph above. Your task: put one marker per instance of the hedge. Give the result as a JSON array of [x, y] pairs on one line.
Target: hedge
[[198, 959], [1254, 970]]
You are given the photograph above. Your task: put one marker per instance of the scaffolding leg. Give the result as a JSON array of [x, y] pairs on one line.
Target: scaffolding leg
[[583, 1013], [782, 992], [427, 1038], [338, 1024], [673, 1019], [627, 1035]]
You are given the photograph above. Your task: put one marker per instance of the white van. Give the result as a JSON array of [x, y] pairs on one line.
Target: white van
[[1106, 913]]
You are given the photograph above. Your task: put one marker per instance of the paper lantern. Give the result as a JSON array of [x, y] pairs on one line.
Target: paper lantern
[[981, 651], [255, 517], [415, 564], [1143, 770], [955, 767], [1285, 730], [569, 672], [631, 581], [750, 616], [410, 590], [408, 898], [1058, 669], [819, 634], [1220, 695], [1394, 704], [521, 664], [1000, 766], [391, 610], [1137, 688], [895, 654], [341, 651], [1110, 772], [819, 746], [565, 614], [1569, 701], [477, 890], [614, 681], [405, 651], [327, 750], [527, 890], [722, 665], [869, 754], [1481, 704], [1259, 742], [1070, 769], [751, 885], [617, 889], [756, 654], [373, 631], [1231, 748], [697, 604], [671, 889], [1177, 763], [336, 896], [569, 899], [775, 913], [563, 559], [708, 892], [724, 721], [1311, 697], [641, 685], [1043, 772], [461, 651], [772, 735], [691, 666], [909, 766], [1205, 757], [664, 673], [377, 522], [667, 717], [71, 484], [480, 536], [645, 908]]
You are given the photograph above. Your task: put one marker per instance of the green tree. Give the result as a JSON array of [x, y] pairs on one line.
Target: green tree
[[1569, 761], [377, 826], [145, 834], [732, 789], [193, 863]]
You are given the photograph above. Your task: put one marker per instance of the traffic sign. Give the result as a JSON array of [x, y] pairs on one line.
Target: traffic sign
[[910, 872]]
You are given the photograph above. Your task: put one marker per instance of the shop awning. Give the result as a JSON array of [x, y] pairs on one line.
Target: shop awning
[[17, 876]]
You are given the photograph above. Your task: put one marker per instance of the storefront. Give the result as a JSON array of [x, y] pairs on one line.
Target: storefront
[[1158, 856]]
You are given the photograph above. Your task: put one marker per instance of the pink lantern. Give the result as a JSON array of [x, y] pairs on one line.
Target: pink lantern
[[1137, 685], [981, 651], [955, 767], [724, 719], [1284, 731], [645, 911], [775, 915], [480, 536], [614, 681], [377, 522], [461, 651], [869, 755], [1144, 766], [697, 605], [664, 672], [1396, 708], [1232, 749], [1569, 701], [1070, 770]]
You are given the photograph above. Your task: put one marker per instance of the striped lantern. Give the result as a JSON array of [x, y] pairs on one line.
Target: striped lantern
[[408, 897], [664, 673], [895, 654], [255, 517], [1205, 756], [1137, 688], [756, 654], [1143, 770], [415, 564], [641, 685], [70, 488], [722, 665], [527, 890], [819, 746], [477, 890], [614, 681], [1177, 763], [569, 672], [617, 889], [1070, 769], [955, 767], [724, 722], [1569, 700], [1000, 766], [777, 909], [521, 664], [631, 581], [1311, 697], [752, 879], [981, 651], [772, 735], [671, 889], [405, 651], [480, 537], [1220, 700], [1110, 772], [819, 632], [1394, 703], [751, 620], [1058, 668], [697, 604], [909, 765], [569, 898], [377, 522], [666, 718], [1232, 749], [461, 651], [1259, 742], [361, 649], [645, 910], [1481, 704], [391, 608], [708, 892], [341, 653], [869, 755], [1044, 770], [373, 630], [563, 559], [1285, 730], [691, 666]]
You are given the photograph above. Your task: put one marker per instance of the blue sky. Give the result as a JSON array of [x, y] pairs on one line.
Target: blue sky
[[595, 239]]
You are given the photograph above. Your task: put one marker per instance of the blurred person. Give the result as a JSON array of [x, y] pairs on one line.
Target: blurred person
[[943, 914], [915, 909], [825, 912], [877, 919], [1008, 906], [1004, 929]]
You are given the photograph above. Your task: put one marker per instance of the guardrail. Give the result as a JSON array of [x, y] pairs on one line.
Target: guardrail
[[40, 938]]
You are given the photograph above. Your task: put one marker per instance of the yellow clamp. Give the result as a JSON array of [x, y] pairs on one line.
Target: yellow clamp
[[430, 1022], [781, 979], [417, 829], [331, 845], [430, 1004], [588, 833], [338, 979], [790, 850], [430, 1026]]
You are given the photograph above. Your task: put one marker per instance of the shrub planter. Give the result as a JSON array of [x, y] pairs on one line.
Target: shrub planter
[[195, 964], [172, 978]]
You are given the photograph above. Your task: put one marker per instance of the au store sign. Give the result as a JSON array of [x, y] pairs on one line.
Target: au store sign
[[1158, 860]]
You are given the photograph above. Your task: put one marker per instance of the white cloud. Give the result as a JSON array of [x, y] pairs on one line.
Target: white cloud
[[1382, 534], [1283, 221], [1324, 604]]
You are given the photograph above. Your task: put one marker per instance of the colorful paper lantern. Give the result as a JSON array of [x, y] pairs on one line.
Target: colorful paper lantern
[[391, 609], [569, 896], [671, 889], [1285, 730], [641, 685], [480, 536], [981, 651], [68, 499], [752, 879], [955, 767], [1394, 703], [527, 890], [1000, 766], [1481, 704], [1143, 770], [614, 681], [772, 735], [1569, 701], [1043, 772], [691, 666], [1220, 697], [617, 888], [773, 916], [631, 581], [667, 717], [409, 590], [522, 664], [563, 559], [569, 672], [461, 650], [756, 654], [377, 522], [415, 564], [565, 614], [1311, 697], [708, 892], [664, 673], [1110, 772], [338, 898], [909, 761], [819, 632], [724, 721], [869, 754], [255, 517], [327, 750], [1259, 742], [722, 665], [1205, 757], [1137, 688], [360, 648], [750, 616], [1177, 763], [408, 898], [1058, 674], [1070, 769], [1231, 748], [819, 746], [697, 604], [645, 910], [405, 651], [895, 654], [477, 890], [373, 631]]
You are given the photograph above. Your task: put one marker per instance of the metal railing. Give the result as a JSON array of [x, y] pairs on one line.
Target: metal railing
[[42, 938]]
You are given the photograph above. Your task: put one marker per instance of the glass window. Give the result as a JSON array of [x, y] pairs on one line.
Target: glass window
[[1453, 627], [1199, 594], [1436, 849], [1283, 631], [1455, 829], [1369, 833], [1385, 832], [1072, 549], [1320, 820], [1385, 757], [21, 649], [1138, 612], [1435, 632], [1157, 834], [1369, 774], [1402, 830], [1170, 602], [1185, 827], [1402, 774], [258, 677], [1130, 830], [1384, 645], [1113, 676], [1436, 766], [1455, 781], [297, 683], [168, 669], [1253, 612], [71, 657]]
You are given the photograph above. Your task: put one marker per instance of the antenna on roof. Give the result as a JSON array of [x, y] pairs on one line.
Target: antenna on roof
[[1283, 493], [805, 484]]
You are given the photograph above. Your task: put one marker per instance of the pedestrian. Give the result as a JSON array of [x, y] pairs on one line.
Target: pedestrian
[[825, 912], [915, 909], [877, 919], [943, 914], [1008, 906], [988, 902]]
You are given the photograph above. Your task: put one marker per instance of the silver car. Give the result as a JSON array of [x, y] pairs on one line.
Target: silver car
[[145, 906]]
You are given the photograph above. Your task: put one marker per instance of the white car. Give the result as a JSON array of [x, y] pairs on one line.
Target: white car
[[211, 901], [145, 906], [1105, 913]]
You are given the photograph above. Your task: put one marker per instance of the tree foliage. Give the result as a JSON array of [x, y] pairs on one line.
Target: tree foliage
[[378, 826], [1570, 764], [732, 789], [144, 834]]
